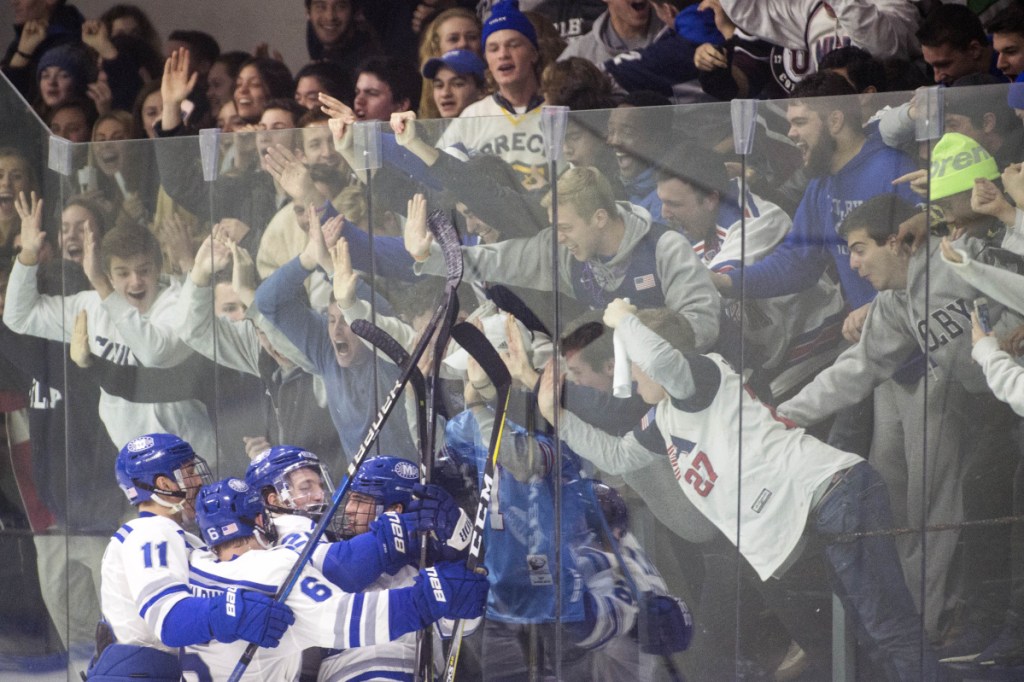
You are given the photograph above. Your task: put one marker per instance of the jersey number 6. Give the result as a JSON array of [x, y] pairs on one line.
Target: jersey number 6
[[316, 591]]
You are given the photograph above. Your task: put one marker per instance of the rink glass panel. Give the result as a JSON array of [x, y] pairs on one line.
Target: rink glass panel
[[697, 563]]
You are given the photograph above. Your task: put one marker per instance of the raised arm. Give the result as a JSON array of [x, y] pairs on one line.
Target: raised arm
[[26, 311], [883, 347], [609, 453], [280, 300], [1004, 286]]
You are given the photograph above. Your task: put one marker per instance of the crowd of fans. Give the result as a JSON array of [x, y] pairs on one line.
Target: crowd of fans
[[208, 290]]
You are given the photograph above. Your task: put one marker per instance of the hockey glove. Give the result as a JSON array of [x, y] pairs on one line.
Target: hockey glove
[[252, 616], [437, 512], [666, 625], [398, 540], [450, 590]]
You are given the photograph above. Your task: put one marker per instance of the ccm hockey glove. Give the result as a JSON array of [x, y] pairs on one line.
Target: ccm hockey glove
[[252, 616]]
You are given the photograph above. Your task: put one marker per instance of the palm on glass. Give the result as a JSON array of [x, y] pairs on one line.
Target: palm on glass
[[416, 236], [345, 278], [30, 211]]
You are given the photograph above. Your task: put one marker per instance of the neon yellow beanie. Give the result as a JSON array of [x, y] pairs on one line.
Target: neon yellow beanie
[[956, 161]]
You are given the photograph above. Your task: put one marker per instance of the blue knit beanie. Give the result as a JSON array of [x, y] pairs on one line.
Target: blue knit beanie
[[69, 58], [699, 27], [506, 15]]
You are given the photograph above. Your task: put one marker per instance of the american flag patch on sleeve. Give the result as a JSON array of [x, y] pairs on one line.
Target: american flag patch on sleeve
[[648, 419], [644, 282]]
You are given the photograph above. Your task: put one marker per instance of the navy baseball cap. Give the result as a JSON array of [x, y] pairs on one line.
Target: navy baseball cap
[[460, 61]]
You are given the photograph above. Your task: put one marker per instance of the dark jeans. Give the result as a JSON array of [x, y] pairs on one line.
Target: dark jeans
[[867, 576]]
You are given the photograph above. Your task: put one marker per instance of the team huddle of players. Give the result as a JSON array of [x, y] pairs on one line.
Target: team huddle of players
[[362, 597]]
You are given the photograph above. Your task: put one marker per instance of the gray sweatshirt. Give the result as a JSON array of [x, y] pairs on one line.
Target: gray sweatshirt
[[900, 321]]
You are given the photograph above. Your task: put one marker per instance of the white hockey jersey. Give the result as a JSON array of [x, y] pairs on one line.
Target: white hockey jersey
[[145, 573], [769, 471], [325, 616], [387, 660], [772, 468], [617, 654]]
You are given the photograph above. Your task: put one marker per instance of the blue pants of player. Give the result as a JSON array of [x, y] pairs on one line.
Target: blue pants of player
[[866, 573]]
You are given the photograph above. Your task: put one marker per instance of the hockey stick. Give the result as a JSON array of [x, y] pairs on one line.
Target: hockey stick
[[477, 345], [425, 637], [448, 239], [387, 344]]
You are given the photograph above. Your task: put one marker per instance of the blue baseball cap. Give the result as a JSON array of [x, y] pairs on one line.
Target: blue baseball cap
[[460, 61]]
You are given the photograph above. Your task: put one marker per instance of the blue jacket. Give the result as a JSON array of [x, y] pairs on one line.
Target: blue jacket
[[798, 261], [519, 547], [350, 394]]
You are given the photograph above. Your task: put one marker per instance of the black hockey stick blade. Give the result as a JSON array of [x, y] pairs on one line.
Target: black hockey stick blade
[[447, 237], [509, 302], [477, 345]]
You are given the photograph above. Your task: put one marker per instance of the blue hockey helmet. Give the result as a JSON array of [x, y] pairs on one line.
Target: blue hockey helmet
[[143, 459], [608, 502], [386, 481], [299, 478], [226, 510]]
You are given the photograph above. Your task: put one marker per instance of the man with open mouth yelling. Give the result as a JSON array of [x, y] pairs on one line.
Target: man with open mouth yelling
[[338, 356]]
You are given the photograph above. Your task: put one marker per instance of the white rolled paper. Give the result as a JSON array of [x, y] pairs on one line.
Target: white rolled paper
[[622, 376]]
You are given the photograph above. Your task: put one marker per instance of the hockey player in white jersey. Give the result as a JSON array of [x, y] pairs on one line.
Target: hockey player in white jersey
[[376, 510], [231, 519], [145, 597], [631, 619], [365, 554], [787, 480], [296, 489]]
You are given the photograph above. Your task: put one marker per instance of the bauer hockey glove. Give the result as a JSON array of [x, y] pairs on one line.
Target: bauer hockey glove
[[438, 513], [398, 540], [450, 590], [666, 625], [252, 616]]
